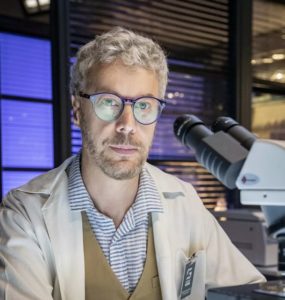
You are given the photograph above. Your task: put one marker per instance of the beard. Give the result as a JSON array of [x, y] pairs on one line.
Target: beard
[[120, 168]]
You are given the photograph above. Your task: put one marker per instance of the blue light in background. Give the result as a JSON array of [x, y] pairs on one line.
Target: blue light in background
[[185, 94], [27, 134], [76, 139], [25, 66], [12, 179]]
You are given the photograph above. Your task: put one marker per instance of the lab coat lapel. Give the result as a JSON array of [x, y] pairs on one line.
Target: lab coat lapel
[[65, 230], [163, 257], [162, 226]]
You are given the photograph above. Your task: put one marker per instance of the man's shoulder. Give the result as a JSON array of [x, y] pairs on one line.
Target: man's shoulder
[[178, 197], [44, 183], [158, 173], [169, 183], [42, 192]]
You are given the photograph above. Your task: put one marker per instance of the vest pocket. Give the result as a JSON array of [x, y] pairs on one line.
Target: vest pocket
[[155, 282]]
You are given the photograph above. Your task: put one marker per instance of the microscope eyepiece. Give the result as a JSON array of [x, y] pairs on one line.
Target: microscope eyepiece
[[190, 130], [224, 124], [219, 153], [240, 133]]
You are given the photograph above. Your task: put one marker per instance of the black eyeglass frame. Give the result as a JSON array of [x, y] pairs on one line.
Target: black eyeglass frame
[[124, 101]]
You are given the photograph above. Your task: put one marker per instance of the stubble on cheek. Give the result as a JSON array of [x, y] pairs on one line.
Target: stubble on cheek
[[118, 168]]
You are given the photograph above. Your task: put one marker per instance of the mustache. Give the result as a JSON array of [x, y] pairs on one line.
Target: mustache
[[121, 139]]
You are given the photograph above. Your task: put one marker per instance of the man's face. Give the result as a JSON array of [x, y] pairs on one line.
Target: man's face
[[121, 147]]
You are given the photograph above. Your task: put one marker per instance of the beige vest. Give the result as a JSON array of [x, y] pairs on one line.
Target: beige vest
[[101, 282]]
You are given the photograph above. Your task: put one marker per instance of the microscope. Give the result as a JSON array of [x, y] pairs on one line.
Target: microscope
[[256, 167]]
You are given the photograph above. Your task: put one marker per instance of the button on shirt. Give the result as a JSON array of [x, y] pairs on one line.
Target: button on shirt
[[124, 247]]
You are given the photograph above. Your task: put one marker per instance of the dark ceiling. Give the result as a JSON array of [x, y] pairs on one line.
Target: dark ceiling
[[14, 9]]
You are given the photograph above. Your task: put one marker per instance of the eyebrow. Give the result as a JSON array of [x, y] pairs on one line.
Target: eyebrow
[[108, 90], [105, 90]]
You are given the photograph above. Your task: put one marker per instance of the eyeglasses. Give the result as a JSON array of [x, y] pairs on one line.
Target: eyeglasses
[[109, 107]]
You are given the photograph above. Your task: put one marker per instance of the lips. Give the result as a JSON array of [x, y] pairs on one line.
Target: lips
[[124, 149]]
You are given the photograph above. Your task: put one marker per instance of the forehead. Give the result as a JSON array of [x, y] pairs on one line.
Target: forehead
[[125, 80]]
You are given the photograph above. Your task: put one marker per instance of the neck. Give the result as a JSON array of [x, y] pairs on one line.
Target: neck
[[111, 197]]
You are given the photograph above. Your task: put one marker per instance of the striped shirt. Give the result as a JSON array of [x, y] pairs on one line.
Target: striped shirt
[[124, 247]]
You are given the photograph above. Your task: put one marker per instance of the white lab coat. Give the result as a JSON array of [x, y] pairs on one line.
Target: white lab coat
[[41, 248]]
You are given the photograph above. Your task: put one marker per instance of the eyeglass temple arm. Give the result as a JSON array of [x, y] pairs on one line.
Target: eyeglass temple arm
[[83, 95]]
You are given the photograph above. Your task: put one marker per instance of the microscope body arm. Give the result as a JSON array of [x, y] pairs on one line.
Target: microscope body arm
[[261, 181]]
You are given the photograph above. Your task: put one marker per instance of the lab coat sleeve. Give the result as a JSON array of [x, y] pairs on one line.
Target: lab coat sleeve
[[225, 264], [24, 271]]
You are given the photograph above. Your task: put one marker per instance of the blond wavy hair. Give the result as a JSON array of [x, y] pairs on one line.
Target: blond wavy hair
[[131, 48]]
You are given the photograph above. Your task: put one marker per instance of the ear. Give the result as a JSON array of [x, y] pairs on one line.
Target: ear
[[75, 110]]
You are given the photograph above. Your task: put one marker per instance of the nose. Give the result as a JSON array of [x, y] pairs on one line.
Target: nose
[[126, 122]]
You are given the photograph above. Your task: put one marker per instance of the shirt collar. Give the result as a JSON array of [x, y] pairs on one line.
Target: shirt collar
[[78, 196]]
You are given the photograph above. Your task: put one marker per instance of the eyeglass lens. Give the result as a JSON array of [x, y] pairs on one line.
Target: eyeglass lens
[[109, 107]]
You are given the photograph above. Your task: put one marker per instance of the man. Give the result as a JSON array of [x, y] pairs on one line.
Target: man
[[105, 224]]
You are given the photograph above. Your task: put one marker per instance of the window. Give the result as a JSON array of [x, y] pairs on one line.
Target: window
[[268, 61], [26, 109]]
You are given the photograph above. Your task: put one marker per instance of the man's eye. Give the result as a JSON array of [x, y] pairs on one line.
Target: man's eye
[[110, 102], [144, 105]]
